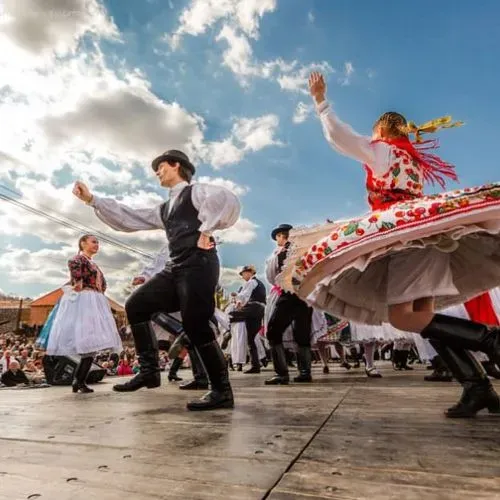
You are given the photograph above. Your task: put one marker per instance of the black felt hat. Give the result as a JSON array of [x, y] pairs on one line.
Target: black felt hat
[[282, 228], [173, 155]]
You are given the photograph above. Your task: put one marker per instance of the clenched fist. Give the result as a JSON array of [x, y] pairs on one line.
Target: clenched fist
[[81, 191], [138, 280]]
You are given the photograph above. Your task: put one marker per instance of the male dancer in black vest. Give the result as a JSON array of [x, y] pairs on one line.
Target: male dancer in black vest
[[251, 303], [289, 310], [188, 282]]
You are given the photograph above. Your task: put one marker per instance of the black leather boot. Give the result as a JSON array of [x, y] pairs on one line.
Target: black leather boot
[[304, 358], [278, 356], [440, 371], [174, 367], [404, 361], [220, 394], [466, 334], [200, 380], [396, 359], [146, 345], [81, 372], [254, 356], [478, 393]]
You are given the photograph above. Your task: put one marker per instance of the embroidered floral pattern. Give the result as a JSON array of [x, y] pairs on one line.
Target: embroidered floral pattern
[[83, 271], [401, 215]]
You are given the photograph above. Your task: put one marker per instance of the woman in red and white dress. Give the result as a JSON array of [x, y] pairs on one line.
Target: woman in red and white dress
[[412, 254], [84, 323]]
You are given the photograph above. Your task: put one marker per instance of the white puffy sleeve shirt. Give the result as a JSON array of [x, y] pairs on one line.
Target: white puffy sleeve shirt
[[246, 291], [348, 142], [272, 266], [218, 208]]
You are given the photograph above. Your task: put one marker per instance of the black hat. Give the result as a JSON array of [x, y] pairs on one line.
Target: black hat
[[282, 228], [250, 269], [173, 155]]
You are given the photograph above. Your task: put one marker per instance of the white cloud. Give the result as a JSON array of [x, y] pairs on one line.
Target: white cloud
[[127, 123], [302, 112], [200, 15], [310, 17], [45, 27], [237, 189], [296, 79], [243, 232], [348, 71], [229, 277], [247, 135]]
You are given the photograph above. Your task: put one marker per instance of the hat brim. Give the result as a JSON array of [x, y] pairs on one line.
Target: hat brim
[[282, 229], [244, 270], [159, 159]]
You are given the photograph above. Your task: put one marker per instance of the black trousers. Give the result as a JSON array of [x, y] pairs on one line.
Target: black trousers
[[252, 314], [290, 310], [188, 287]]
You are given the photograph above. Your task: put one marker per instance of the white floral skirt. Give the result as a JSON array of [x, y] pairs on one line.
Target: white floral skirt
[[445, 246], [83, 324]]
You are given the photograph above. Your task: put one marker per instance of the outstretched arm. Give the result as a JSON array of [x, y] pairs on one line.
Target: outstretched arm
[[117, 215], [340, 135]]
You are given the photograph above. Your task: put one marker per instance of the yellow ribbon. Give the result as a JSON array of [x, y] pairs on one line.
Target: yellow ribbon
[[431, 126]]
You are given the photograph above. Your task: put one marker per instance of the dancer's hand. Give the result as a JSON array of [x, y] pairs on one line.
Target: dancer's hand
[[81, 191], [317, 87], [204, 242], [138, 280]]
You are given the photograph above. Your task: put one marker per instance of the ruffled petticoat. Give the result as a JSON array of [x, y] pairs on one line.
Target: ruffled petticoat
[[445, 246], [83, 324]]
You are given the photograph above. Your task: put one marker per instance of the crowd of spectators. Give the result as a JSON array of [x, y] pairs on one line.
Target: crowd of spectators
[[21, 361]]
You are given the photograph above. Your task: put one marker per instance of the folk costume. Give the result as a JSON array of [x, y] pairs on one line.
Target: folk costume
[[83, 323], [187, 283], [252, 297], [289, 310], [410, 246]]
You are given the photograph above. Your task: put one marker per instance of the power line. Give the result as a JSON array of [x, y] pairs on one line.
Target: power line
[[79, 228]]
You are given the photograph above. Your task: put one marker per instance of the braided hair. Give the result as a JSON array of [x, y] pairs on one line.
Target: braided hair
[[394, 124]]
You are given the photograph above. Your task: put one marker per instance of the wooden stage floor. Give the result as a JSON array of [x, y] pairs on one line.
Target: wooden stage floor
[[343, 437]]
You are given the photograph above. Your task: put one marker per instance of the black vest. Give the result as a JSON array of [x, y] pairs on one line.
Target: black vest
[[282, 256], [259, 292], [182, 226]]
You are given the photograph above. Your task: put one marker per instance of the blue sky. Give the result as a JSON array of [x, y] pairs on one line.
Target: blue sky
[[236, 68]]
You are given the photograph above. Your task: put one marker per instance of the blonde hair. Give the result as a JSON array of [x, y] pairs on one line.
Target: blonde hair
[[395, 124]]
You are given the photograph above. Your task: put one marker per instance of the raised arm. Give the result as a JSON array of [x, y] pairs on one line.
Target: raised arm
[[343, 137], [218, 207], [117, 215]]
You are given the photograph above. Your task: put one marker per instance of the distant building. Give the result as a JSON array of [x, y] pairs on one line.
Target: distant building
[[12, 311]]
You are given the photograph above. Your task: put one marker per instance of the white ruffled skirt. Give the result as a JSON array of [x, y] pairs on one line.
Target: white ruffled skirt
[[83, 324]]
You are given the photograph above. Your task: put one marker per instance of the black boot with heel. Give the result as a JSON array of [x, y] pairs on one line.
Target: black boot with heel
[[278, 356], [146, 345], [81, 373], [478, 393], [220, 394]]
